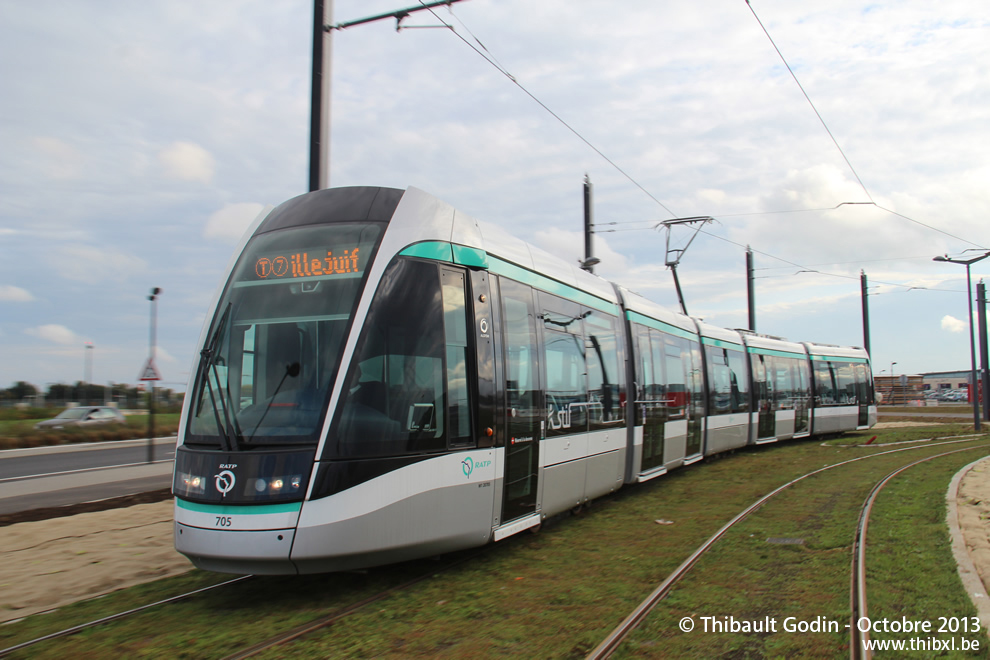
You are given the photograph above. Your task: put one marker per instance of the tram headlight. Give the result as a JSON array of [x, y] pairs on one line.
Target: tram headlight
[[190, 484], [281, 485]]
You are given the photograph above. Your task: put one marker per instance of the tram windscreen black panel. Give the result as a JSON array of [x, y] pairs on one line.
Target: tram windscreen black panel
[[393, 400], [274, 348]]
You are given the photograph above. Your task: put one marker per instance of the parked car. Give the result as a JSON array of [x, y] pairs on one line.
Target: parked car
[[82, 417]]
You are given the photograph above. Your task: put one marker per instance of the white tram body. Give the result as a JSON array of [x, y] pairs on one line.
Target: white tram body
[[384, 378]]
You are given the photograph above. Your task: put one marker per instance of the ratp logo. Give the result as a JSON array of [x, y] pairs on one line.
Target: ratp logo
[[469, 465], [225, 481]]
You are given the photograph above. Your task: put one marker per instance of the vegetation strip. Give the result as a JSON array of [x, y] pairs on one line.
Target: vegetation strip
[[558, 593], [857, 591], [328, 620], [113, 617], [615, 638]]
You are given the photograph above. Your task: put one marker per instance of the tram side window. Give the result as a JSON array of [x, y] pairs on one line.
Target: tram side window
[[739, 382], [394, 400], [784, 382], [644, 372], [458, 371], [758, 368], [650, 396], [728, 386], [846, 382], [802, 390], [658, 383], [676, 350], [564, 357], [565, 388], [522, 396], [719, 381], [864, 381], [602, 360], [825, 384]]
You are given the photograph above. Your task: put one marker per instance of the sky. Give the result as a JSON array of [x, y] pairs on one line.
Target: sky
[[139, 140]]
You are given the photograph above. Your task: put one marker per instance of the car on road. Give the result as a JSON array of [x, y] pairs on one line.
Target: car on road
[[82, 417]]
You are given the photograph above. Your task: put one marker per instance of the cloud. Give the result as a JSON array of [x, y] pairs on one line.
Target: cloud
[[569, 245], [58, 334], [161, 355], [232, 220], [89, 264], [9, 293], [187, 161], [61, 160], [952, 324]]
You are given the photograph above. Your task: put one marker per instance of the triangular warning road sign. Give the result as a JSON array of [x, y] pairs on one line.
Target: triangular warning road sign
[[150, 371]]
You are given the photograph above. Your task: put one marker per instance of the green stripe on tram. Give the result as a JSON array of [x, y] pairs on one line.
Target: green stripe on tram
[[775, 353], [544, 283], [836, 358], [719, 343], [475, 258], [642, 319], [430, 250], [470, 257], [227, 509]]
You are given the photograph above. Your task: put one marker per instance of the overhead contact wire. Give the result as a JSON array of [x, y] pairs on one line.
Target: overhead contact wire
[[543, 105]]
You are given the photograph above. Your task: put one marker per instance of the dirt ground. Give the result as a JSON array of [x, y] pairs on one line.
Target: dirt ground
[[49, 563], [46, 564]]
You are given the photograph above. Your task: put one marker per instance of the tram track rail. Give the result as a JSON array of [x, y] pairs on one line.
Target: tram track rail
[[859, 639], [120, 615], [312, 626], [328, 620], [614, 640]]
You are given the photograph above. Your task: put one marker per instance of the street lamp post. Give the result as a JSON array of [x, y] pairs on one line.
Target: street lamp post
[[972, 341], [151, 360], [893, 384], [88, 375]]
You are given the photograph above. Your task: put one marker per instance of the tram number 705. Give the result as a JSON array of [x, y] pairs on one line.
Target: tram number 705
[[224, 521]]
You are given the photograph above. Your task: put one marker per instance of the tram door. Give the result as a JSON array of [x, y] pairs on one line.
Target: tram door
[[862, 393], [485, 368], [763, 395], [651, 395], [696, 396], [524, 408]]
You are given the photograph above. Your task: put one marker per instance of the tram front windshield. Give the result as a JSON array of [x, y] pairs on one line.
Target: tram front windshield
[[273, 348]]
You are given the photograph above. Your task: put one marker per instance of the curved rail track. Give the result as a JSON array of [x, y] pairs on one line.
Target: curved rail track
[[857, 590], [858, 597]]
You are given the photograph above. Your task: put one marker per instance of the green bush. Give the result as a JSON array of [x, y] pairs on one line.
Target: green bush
[[21, 433]]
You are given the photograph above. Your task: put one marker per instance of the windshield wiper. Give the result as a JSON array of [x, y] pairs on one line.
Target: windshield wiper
[[209, 354], [290, 370]]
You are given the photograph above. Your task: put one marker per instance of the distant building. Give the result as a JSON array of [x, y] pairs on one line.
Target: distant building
[[899, 390], [948, 380], [910, 389]]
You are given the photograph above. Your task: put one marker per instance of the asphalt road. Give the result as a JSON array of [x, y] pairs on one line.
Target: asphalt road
[[71, 474]]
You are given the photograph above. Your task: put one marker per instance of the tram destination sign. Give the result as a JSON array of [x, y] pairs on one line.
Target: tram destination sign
[[318, 263]]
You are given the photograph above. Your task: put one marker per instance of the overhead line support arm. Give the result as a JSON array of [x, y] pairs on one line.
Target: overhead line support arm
[[398, 15]]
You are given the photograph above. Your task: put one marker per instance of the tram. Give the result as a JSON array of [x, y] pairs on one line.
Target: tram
[[383, 377]]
